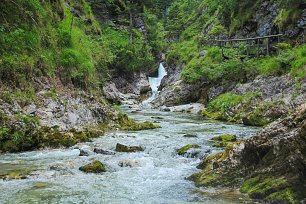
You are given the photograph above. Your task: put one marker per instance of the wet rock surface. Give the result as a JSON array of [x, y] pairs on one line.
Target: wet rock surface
[[101, 151], [124, 148], [270, 165], [94, 167]]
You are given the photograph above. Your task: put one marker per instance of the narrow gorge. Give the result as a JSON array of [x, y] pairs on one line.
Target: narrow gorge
[[128, 101]]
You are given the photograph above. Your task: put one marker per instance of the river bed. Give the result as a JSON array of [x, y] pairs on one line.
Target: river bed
[[156, 175]]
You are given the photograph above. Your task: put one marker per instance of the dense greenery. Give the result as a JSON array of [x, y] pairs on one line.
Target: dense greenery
[[62, 39], [51, 39], [192, 24]]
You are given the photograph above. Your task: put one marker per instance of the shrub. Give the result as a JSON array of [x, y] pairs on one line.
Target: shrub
[[224, 102]]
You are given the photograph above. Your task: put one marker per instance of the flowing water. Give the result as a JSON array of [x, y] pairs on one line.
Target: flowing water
[[156, 175]]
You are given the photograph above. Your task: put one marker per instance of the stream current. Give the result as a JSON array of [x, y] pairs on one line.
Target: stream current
[[156, 175]]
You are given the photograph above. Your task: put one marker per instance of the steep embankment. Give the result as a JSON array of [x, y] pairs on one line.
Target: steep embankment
[[54, 66]]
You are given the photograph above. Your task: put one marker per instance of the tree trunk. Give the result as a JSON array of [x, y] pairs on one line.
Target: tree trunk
[[131, 24]]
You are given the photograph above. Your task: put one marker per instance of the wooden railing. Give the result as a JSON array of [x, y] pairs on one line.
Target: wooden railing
[[258, 42]]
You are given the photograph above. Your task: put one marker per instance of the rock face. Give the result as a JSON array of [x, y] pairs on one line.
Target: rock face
[[124, 148], [270, 165], [94, 167], [135, 83], [278, 87], [65, 110]]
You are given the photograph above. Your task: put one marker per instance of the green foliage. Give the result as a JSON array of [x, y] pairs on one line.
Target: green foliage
[[45, 39], [299, 63], [291, 10], [224, 102], [135, 57], [156, 33], [24, 137], [181, 52], [217, 30]]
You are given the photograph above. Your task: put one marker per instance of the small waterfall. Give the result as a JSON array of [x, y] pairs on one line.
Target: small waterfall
[[154, 84]]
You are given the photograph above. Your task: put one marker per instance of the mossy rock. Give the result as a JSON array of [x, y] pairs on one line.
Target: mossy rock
[[287, 195], [127, 123], [124, 148], [17, 174], [255, 119], [183, 150], [260, 187], [94, 167], [210, 159], [225, 138], [220, 144], [214, 115], [140, 126]]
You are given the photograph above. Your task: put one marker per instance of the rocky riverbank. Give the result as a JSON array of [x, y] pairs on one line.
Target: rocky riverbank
[[57, 117], [270, 165]]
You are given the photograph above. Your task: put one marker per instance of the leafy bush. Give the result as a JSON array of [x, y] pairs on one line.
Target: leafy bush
[[135, 57], [224, 102]]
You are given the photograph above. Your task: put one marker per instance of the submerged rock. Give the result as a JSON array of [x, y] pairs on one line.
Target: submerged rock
[[124, 148], [19, 174], [94, 167], [40, 185], [157, 117], [190, 135]]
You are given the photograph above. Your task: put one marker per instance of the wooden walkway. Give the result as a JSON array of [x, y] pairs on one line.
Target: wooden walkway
[[262, 45]]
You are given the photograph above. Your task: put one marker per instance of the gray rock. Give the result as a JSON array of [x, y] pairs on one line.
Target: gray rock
[[83, 153], [203, 53], [190, 135], [105, 152]]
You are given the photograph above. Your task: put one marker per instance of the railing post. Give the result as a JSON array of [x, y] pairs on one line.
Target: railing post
[[257, 54]]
